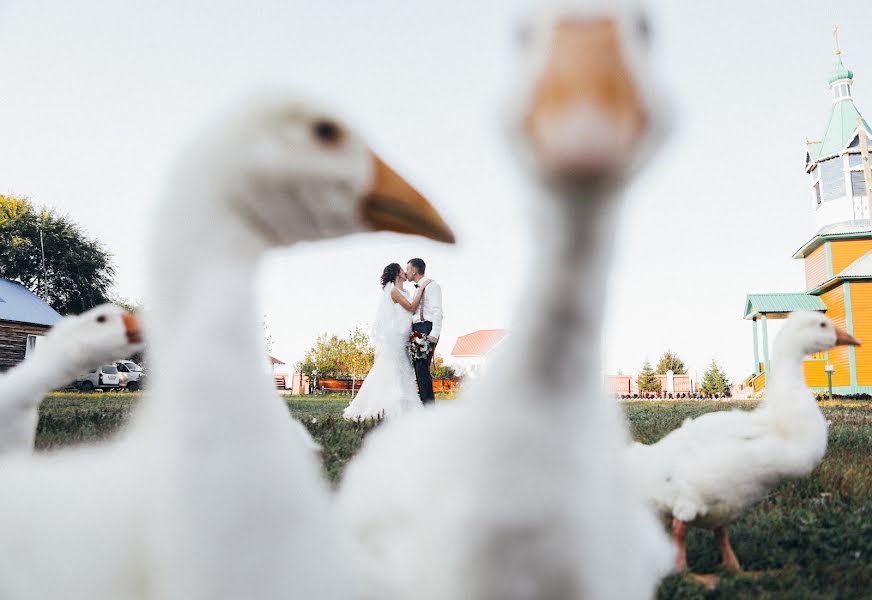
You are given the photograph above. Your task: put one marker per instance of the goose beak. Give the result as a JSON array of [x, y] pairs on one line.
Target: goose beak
[[586, 114], [392, 204], [843, 338], [131, 328]]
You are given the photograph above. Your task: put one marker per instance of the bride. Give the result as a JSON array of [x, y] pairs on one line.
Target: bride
[[389, 389]]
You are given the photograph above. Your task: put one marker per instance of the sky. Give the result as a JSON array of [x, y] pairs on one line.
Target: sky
[[98, 97]]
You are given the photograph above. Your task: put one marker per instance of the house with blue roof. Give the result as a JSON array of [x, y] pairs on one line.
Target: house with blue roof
[[24, 318], [838, 257]]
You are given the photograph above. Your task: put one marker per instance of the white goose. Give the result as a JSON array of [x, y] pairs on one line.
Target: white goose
[[209, 494], [517, 490], [77, 343], [710, 470]]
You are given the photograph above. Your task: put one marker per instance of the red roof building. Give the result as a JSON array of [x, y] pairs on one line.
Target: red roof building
[[477, 343]]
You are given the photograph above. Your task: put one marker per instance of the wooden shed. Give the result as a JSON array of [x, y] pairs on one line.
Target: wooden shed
[[24, 318]]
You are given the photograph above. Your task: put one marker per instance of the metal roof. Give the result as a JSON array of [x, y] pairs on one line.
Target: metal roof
[[17, 303], [857, 270], [842, 128], [845, 230], [478, 343], [757, 304]]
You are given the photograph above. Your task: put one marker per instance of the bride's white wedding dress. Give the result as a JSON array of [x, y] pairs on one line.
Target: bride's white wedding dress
[[389, 389]]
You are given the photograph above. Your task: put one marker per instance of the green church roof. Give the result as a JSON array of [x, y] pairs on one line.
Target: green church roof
[[840, 71], [757, 304], [841, 129]]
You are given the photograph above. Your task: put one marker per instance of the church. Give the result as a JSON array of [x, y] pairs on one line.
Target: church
[[838, 258]]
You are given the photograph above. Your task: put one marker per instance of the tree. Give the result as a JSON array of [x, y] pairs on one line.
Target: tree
[[333, 356], [670, 361], [440, 370], [76, 273], [357, 356], [714, 381], [267, 334], [323, 358], [647, 380]]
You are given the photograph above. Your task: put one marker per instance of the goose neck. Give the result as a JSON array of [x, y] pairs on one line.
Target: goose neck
[[576, 231]]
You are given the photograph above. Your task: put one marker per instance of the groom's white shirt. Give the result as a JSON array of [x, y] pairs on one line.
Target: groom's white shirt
[[432, 303]]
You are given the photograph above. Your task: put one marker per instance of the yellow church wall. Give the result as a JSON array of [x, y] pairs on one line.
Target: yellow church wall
[[816, 267], [835, 301], [847, 251], [861, 312], [815, 375]]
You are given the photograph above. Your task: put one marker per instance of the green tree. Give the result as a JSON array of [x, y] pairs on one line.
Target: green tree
[[76, 273], [647, 380], [440, 370], [356, 356], [323, 358], [334, 356], [714, 381], [671, 361]]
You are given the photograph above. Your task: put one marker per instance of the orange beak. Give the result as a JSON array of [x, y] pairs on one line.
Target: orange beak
[[131, 328], [843, 338], [585, 114], [392, 204]]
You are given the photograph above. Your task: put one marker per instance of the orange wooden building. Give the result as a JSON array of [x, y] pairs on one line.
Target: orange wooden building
[[838, 258]]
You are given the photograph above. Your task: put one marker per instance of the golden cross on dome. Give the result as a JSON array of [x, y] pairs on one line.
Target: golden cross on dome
[[836, 37]]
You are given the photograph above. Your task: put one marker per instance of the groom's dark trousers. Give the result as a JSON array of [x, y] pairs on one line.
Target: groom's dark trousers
[[422, 366]]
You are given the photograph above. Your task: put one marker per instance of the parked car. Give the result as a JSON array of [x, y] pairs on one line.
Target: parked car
[[102, 378], [130, 374]]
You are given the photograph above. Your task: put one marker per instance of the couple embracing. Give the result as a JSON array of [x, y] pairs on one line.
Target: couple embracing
[[405, 333]]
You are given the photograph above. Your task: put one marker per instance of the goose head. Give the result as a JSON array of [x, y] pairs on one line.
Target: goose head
[[101, 334], [807, 332], [588, 106], [287, 170]]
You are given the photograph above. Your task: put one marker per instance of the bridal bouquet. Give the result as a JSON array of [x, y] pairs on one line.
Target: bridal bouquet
[[419, 346]]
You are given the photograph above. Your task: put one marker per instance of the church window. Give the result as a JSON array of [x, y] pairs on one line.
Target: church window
[[833, 178], [858, 183], [855, 142], [817, 193]]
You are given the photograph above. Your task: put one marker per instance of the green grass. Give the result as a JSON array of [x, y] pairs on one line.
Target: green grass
[[810, 538]]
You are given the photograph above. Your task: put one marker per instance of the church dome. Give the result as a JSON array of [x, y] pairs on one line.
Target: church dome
[[840, 72]]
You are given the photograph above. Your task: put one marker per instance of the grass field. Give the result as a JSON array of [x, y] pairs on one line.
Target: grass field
[[809, 539]]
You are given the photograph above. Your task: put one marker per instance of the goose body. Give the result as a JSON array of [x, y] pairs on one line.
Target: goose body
[[710, 470], [73, 346], [211, 494], [517, 490]]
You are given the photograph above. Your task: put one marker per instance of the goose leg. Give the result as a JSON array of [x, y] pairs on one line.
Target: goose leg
[[679, 532], [728, 557]]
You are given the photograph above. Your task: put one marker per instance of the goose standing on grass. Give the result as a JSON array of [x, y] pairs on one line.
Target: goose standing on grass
[[73, 346], [710, 470], [208, 494], [517, 489]]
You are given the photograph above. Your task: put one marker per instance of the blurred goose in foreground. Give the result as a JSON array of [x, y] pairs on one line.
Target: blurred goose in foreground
[[75, 345], [210, 493], [517, 490], [710, 470]]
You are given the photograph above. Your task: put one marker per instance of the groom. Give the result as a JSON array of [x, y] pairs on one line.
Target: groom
[[428, 320]]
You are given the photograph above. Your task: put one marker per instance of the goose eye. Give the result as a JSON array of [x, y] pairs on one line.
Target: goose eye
[[326, 131], [823, 325], [101, 319]]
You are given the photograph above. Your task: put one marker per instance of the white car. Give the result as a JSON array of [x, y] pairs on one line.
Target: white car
[[103, 378], [130, 374]]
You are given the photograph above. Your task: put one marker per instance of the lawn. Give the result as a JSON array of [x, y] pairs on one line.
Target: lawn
[[809, 539]]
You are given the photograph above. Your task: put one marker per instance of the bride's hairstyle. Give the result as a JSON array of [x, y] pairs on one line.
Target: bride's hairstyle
[[389, 275]]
